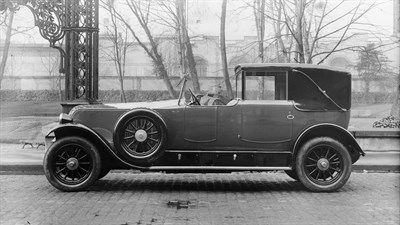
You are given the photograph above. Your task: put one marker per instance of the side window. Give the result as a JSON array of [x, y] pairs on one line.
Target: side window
[[266, 85]]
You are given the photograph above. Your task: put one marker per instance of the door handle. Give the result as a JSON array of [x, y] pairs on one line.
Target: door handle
[[290, 117]]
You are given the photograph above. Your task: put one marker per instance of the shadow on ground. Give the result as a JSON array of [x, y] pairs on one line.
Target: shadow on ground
[[246, 182]]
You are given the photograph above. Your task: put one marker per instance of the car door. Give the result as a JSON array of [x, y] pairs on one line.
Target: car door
[[266, 122], [200, 124]]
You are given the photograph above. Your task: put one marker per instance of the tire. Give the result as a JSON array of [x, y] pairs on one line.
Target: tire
[[292, 174], [140, 137], [72, 164], [323, 164]]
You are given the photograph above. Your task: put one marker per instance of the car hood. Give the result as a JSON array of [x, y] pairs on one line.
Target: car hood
[[151, 105], [131, 105]]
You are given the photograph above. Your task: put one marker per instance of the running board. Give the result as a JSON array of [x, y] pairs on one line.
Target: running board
[[225, 168]]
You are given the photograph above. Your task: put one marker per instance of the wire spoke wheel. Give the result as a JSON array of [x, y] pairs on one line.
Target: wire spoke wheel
[[141, 137], [323, 164], [72, 164]]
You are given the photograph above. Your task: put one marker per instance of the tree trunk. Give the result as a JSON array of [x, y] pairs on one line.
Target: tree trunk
[[182, 57], [6, 46], [396, 104], [153, 53], [395, 108], [307, 51], [299, 30], [259, 15], [118, 62], [191, 64], [122, 91], [223, 51], [164, 75], [280, 45]]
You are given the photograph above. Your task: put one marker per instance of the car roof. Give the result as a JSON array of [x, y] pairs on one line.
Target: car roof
[[286, 66]]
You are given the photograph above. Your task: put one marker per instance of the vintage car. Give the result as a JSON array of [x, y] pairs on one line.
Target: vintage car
[[289, 117]]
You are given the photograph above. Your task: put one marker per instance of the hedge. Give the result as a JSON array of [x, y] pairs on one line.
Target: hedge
[[373, 98], [133, 96], [105, 96], [140, 96], [24, 95]]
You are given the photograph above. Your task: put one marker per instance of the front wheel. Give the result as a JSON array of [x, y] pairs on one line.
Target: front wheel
[[72, 164], [323, 164]]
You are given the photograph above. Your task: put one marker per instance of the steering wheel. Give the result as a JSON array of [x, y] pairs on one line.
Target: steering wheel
[[195, 100]]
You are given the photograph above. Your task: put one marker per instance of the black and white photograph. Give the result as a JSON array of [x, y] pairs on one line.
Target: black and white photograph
[[170, 112]]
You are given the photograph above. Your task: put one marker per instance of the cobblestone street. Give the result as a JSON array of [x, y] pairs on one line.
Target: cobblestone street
[[239, 198]]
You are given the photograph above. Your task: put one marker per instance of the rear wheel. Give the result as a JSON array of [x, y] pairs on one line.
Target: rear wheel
[[323, 164], [72, 164]]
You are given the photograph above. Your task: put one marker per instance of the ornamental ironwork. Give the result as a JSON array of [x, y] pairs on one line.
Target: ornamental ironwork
[[71, 26], [81, 41]]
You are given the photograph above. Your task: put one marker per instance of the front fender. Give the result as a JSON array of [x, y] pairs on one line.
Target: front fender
[[330, 130], [83, 131]]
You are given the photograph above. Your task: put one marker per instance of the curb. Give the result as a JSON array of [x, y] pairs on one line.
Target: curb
[[15, 169], [376, 168]]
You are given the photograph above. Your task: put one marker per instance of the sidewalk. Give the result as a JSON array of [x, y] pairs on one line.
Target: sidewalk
[[15, 160]]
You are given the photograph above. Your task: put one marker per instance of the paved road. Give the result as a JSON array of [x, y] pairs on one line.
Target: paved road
[[240, 198]]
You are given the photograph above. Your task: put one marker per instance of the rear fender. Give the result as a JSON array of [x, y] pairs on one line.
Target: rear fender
[[80, 130], [333, 131]]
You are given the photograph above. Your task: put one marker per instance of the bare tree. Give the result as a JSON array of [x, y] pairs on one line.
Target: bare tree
[[371, 64], [311, 22], [141, 11], [395, 107], [259, 17], [191, 64], [283, 51], [8, 8], [223, 50], [117, 34], [173, 14], [396, 104], [7, 42]]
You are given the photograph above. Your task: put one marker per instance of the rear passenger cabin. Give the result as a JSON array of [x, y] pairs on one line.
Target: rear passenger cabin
[[311, 87]]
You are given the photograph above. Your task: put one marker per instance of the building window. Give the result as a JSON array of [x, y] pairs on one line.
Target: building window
[[201, 66]]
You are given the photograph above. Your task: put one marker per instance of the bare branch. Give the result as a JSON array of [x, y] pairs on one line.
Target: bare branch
[[344, 33]]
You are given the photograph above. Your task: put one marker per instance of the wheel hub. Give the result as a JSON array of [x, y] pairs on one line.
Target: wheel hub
[[72, 163], [141, 135], [323, 164]]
